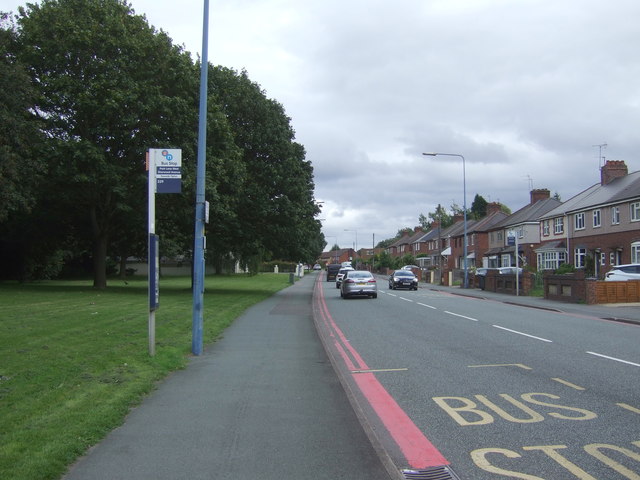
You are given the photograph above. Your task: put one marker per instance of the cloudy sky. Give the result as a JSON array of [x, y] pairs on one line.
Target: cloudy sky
[[524, 89]]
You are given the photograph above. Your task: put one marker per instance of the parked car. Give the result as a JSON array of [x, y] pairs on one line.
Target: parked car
[[410, 267], [509, 271], [317, 267], [332, 271], [359, 283], [340, 275], [623, 273], [403, 279]]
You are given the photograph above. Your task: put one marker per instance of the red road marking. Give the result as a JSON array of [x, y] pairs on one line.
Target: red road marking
[[416, 448]]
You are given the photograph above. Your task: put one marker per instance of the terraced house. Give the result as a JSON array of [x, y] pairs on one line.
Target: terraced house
[[601, 223]]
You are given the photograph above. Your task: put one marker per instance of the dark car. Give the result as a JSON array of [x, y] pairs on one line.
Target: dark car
[[332, 271], [358, 283], [403, 279]]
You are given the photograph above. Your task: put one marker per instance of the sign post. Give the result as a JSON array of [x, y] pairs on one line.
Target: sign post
[[165, 176]]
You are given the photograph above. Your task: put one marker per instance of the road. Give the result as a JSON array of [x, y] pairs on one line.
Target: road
[[487, 390]]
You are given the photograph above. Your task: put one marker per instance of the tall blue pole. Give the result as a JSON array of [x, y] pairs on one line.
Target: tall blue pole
[[198, 250]]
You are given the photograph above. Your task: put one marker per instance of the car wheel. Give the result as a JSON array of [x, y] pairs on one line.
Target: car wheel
[[375, 295], [341, 294]]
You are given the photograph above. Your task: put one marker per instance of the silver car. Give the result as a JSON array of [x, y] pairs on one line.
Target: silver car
[[358, 283]]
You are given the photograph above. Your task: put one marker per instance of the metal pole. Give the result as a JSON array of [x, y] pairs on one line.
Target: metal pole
[[198, 251], [464, 207]]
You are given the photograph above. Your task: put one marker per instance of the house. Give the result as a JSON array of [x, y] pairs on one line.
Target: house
[[337, 256], [525, 226], [478, 235], [601, 223]]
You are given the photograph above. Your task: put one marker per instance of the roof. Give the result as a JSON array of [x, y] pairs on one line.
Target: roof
[[616, 191], [486, 223], [529, 213]]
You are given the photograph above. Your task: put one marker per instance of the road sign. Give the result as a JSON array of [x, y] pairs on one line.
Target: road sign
[[168, 165]]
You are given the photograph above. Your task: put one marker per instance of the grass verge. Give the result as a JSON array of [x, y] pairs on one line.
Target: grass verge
[[74, 360]]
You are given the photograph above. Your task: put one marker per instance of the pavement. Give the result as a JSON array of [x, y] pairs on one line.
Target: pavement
[[264, 402]]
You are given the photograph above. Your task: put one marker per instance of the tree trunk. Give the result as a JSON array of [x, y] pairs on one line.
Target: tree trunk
[[99, 252], [100, 262]]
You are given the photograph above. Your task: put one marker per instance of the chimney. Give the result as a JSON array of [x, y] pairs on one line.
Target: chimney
[[612, 169], [493, 207], [417, 229], [458, 217], [538, 194], [435, 224]]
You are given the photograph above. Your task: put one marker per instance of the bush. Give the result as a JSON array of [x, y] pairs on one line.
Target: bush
[[565, 268]]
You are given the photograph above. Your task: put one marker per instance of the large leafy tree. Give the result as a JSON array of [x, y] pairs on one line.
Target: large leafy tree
[[20, 167], [276, 209], [110, 87]]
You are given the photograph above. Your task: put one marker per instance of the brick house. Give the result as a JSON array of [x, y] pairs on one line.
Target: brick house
[[601, 222], [337, 256], [525, 223]]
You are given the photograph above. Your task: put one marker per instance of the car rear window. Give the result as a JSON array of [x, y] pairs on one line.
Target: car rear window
[[359, 275]]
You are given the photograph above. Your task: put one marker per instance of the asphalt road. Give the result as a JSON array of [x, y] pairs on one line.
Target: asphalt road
[[486, 389]]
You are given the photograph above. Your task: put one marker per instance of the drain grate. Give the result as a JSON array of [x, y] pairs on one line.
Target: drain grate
[[436, 473]]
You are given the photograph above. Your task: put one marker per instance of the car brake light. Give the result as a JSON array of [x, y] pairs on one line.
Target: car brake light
[[372, 280], [349, 280]]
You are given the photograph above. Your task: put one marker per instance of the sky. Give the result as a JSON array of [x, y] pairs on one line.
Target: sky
[[524, 90]]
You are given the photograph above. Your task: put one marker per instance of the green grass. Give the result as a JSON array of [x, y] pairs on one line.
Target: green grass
[[74, 360]]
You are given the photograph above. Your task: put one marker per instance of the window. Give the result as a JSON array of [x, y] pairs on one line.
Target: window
[[546, 228], [505, 260], [635, 212], [615, 215], [521, 232], [580, 257], [578, 221], [635, 252], [558, 225], [596, 218], [551, 260]]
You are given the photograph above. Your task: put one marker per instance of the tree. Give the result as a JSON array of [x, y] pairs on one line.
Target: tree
[[276, 209], [478, 207], [20, 168], [110, 87]]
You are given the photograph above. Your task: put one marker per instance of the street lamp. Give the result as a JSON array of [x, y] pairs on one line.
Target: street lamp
[[464, 209], [356, 254]]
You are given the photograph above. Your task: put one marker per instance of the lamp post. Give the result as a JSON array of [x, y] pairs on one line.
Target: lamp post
[[464, 209], [356, 254]]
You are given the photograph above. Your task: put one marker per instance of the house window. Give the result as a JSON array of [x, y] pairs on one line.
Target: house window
[[635, 212], [615, 215], [521, 232], [596, 218], [635, 252], [505, 260], [546, 228], [558, 225], [551, 260], [578, 222], [580, 257]]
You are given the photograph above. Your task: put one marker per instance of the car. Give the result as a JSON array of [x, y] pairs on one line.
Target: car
[[410, 267], [332, 271], [509, 271], [359, 283], [403, 279], [317, 267], [623, 273], [340, 275]]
